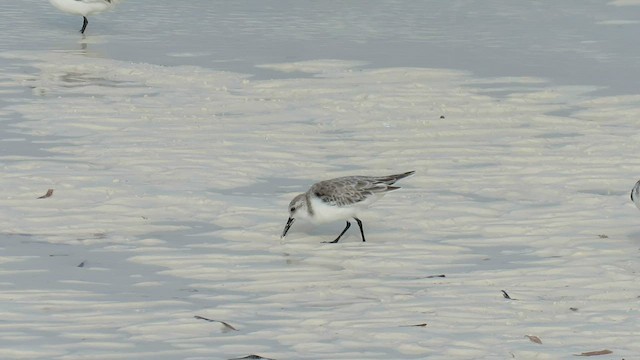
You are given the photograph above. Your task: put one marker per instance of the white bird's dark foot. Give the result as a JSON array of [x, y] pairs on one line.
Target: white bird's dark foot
[[331, 242], [85, 22], [339, 236]]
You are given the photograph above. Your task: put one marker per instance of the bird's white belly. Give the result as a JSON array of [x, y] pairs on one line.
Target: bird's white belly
[[323, 212], [81, 7]]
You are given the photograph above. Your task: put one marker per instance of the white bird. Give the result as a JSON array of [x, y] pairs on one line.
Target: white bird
[[635, 194], [83, 8], [340, 199]]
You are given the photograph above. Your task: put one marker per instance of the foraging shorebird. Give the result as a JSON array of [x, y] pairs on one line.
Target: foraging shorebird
[[340, 199]]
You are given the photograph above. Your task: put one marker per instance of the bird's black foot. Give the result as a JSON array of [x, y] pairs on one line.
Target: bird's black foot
[[339, 236], [331, 242]]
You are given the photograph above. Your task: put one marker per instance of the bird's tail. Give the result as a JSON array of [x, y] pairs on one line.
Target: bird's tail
[[391, 179]]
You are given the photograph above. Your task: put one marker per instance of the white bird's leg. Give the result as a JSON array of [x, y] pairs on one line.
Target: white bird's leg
[[339, 236], [360, 225], [84, 24]]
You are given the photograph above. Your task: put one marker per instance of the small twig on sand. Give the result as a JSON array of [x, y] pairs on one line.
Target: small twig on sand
[[594, 353], [429, 277], [48, 194], [226, 325], [506, 296], [416, 325], [534, 339]]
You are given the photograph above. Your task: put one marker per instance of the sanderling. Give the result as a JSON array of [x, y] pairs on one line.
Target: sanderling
[[340, 199], [83, 7], [635, 194]]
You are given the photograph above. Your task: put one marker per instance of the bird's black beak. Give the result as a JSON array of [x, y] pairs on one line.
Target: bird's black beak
[[286, 227]]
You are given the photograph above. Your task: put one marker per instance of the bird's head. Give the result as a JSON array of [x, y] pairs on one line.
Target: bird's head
[[297, 210]]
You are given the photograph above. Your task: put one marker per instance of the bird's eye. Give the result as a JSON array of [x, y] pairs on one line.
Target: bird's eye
[[292, 209]]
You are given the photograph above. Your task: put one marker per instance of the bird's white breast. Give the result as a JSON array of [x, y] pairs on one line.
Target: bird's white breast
[[81, 7], [323, 212]]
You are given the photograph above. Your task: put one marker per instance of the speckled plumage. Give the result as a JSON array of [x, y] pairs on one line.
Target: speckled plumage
[[340, 198], [349, 190]]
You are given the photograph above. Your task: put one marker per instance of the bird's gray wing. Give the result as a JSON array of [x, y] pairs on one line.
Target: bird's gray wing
[[348, 190]]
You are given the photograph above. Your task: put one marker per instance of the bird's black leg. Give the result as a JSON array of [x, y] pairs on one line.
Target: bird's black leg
[[339, 236], [84, 24], [360, 225]]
